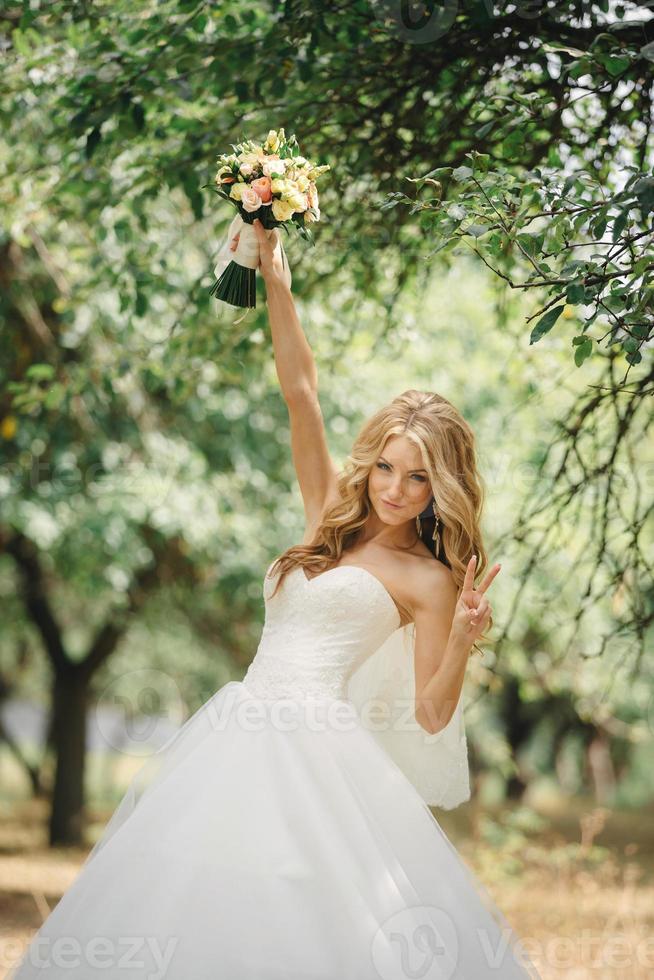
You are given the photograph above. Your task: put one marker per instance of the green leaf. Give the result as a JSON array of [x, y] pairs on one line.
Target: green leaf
[[278, 87], [242, 90], [578, 68], [614, 64], [575, 293], [438, 172], [141, 304], [457, 212], [615, 302], [138, 115], [476, 230], [55, 396], [583, 351], [545, 323], [304, 69], [92, 141], [620, 223], [532, 243], [40, 372]]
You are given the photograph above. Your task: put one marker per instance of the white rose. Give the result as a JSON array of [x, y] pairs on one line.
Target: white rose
[[246, 169], [271, 167], [250, 199]]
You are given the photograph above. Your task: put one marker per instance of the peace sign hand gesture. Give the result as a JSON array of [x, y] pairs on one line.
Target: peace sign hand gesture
[[473, 609]]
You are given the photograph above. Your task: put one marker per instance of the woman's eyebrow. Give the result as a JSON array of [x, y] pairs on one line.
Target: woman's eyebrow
[[421, 470]]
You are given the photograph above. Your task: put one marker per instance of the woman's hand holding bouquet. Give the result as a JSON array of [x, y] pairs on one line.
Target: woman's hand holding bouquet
[[272, 259]]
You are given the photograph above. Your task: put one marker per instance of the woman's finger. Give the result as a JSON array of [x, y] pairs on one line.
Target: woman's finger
[[265, 241], [260, 231], [469, 578], [488, 577], [481, 613]]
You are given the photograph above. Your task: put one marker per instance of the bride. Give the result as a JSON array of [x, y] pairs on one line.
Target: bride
[[281, 834]]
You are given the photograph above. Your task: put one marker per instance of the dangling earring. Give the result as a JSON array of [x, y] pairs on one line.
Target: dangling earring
[[436, 535], [418, 525]]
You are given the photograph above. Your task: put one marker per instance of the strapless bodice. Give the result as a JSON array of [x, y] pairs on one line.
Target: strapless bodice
[[318, 631]]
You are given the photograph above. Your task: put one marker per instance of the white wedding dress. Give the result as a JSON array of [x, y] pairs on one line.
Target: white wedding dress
[[273, 838]]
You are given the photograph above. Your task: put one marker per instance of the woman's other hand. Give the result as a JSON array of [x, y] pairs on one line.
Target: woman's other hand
[[473, 609]]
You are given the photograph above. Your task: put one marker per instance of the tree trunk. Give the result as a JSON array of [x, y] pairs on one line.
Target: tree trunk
[[518, 728], [601, 767], [70, 704]]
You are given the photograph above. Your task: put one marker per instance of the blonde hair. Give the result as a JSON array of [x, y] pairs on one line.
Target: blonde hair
[[447, 446]]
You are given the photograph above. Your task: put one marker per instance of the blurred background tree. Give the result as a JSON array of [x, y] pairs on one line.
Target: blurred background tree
[[490, 170]]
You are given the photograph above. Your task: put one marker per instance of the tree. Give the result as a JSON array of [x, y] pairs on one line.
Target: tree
[[111, 350]]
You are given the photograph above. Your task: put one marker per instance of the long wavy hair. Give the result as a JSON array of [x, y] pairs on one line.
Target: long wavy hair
[[447, 447]]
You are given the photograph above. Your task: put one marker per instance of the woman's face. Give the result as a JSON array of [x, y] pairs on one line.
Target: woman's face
[[398, 478]]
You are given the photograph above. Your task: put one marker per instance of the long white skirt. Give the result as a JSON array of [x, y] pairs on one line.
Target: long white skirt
[[261, 844]]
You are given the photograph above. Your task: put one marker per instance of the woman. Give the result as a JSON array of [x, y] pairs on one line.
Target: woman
[[273, 837]]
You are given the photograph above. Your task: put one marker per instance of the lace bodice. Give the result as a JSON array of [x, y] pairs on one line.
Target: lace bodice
[[318, 631]]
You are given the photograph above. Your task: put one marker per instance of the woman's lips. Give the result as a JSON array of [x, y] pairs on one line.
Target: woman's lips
[[394, 506]]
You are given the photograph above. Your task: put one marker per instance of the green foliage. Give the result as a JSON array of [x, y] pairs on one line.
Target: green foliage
[[140, 424], [566, 237]]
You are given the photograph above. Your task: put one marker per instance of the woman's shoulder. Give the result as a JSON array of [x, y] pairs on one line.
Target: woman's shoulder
[[420, 576]]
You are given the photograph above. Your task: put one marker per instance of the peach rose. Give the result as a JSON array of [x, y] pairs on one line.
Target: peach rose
[[250, 199], [263, 188]]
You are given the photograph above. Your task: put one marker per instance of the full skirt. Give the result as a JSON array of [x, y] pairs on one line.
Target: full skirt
[[274, 840]]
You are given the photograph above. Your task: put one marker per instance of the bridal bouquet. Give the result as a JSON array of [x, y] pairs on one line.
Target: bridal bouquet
[[271, 182]]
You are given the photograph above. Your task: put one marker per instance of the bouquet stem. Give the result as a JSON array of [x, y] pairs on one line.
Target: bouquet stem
[[237, 283], [236, 286]]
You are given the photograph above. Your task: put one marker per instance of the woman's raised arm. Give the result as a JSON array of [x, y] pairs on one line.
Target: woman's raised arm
[[298, 379]]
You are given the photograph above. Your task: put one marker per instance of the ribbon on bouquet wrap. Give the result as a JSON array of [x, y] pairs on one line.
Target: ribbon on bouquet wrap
[[246, 253]]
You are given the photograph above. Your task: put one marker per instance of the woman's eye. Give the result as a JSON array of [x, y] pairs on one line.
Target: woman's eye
[[416, 476]]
